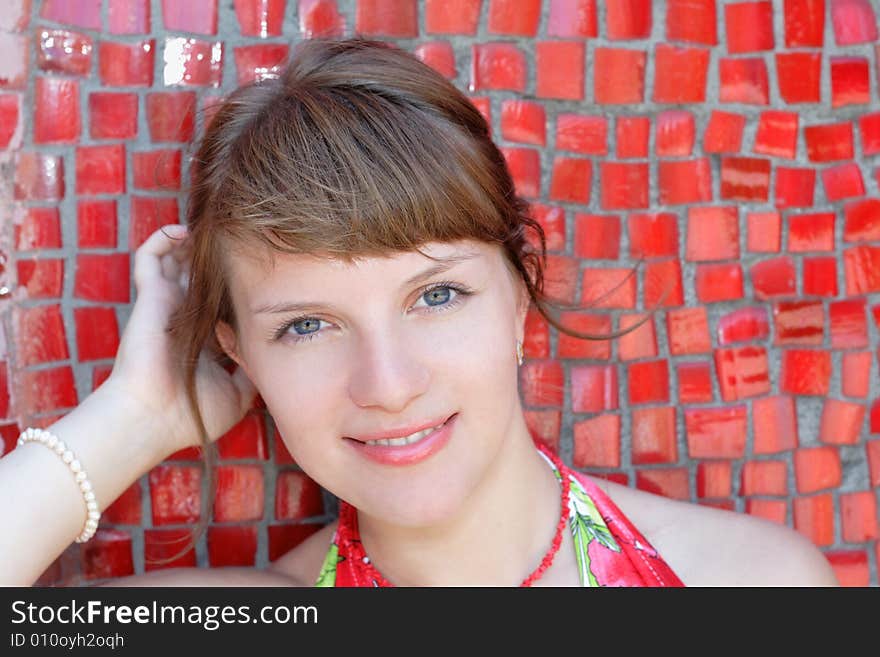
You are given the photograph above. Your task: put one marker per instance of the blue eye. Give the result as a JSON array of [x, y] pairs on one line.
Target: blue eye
[[309, 324]]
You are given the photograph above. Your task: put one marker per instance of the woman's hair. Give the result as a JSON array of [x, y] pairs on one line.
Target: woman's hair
[[356, 149]]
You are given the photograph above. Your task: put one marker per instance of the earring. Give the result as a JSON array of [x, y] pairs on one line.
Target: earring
[[519, 353]]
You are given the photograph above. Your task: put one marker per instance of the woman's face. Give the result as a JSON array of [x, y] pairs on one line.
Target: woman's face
[[382, 344]]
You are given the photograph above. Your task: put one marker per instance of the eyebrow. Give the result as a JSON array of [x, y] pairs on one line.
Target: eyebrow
[[446, 263]]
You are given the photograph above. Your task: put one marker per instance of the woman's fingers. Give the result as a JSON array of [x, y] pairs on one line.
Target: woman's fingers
[[148, 257]]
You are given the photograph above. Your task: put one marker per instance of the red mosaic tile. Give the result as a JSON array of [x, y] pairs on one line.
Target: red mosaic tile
[[126, 64], [579, 133], [653, 436], [545, 426], [745, 178], [718, 282], [862, 221], [763, 232], [798, 322], [571, 179], [849, 81], [685, 181], [632, 134], [148, 214], [171, 115], [569, 346], [126, 509], [716, 433], [804, 23], [764, 478], [640, 342], [855, 379], [724, 132], [869, 126], [799, 75], [849, 328], [623, 76], [820, 276], [261, 18], [850, 567], [96, 224], [714, 479], [668, 482], [572, 18], [231, 546], [192, 62], [817, 468], [811, 232], [814, 518], [596, 236], [107, 555], [663, 284], [100, 169], [613, 287], [157, 170], [805, 371], [392, 18], [161, 544], [688, 331], [525, 169], [542, 383], [514, 17], [239, 493], [694, 383], [743, 324], [749, 26], [712, 233], [259, 62], [40, 229], [452, 16], [320, 18], [559, 70], [198, 16], [648, 382], [652, 235], [537, 335], [679, 74], [498, 66], [40, 278], [113, 115], [14, 49], [175, 494], [675, 133], [843, 181], [827, 143], [742, 372], [777, 134], [743, 80], [97, 333], [483, 105], [854, 22], [862, 270], [245, 440], [628, 19], [593, 388], [102, 277], [597, 442], [872, 448], [439, 56], [773, 510], [283, 538], [794, 187], [625, 185], [128, 16], [692, 21], [282, 455], [64, 51], [841, 422], [85, 13], [46, 390], [101, 373], [56, 110], [774, 277], [552, 220], [297, 496], [39, 335], [10, 126], [560, 277]]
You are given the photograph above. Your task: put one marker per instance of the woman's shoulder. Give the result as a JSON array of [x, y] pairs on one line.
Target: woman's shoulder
[[706, 546]]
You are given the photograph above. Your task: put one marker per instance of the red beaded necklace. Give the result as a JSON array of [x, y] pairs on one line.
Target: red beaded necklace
[[361, 568]]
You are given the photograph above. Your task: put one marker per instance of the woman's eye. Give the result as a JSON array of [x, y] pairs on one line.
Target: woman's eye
[[443, 296], [306, 326]]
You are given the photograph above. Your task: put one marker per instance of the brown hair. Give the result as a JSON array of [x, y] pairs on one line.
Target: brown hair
[[356, 149]]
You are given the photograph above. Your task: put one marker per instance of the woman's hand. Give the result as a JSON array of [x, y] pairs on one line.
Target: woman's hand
[[146, 372]]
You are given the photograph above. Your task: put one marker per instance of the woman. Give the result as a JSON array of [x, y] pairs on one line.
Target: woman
[[356, 248]]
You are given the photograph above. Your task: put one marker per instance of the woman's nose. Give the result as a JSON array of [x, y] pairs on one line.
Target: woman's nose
[[387, 373]]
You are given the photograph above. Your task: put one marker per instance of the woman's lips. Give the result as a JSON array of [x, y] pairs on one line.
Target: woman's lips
[[407, 454]]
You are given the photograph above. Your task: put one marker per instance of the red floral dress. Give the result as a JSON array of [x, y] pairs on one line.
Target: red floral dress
[[610, 551]]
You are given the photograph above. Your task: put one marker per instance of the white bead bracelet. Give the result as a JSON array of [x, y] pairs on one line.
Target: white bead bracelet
[[52, 442]]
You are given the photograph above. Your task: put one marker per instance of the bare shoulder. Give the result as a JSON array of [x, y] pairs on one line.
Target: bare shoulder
[[224, 576], [304, 562], [706, 546]]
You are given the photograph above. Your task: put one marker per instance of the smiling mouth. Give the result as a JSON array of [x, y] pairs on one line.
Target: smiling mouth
[[405, 440]]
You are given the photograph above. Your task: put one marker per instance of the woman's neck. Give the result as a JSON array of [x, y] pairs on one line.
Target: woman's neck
[[498, 537]]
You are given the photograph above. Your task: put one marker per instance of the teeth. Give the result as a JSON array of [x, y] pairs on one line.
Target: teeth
[[406, 440]]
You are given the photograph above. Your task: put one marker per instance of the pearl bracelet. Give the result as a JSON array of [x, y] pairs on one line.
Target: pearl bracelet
[[52, 442]]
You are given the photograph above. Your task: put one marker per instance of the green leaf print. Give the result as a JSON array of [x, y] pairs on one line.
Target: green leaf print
[[327, 576]]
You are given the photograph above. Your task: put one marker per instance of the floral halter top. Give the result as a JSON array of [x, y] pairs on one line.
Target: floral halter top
[[610, 551]]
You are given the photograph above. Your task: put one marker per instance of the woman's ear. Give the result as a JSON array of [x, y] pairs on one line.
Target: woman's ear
[[226, 338]]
